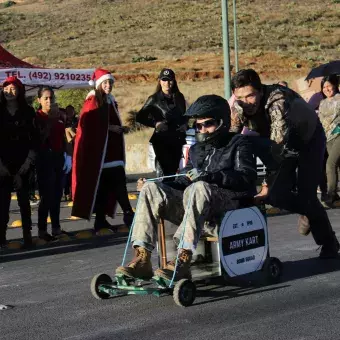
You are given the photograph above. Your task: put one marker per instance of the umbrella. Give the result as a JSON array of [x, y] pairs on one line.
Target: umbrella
[[323, 70]]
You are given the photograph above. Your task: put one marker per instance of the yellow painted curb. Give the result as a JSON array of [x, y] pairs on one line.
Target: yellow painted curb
[[14, 197], [84, 235], [272, 211], [16, 224], [104, 232], [14, 245], [74, 218], [134, 209], [49, 219], [70, 204], [123, 229], [132, 196]]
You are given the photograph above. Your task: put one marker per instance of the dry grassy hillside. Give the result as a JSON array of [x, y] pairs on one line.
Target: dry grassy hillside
[[280, 39], [79, 33]]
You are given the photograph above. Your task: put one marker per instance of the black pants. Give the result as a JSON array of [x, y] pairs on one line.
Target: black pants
[[305, 202], [6, 187], [68, 183], [111, 180], [50, 175], [168, 156], [33, 181]]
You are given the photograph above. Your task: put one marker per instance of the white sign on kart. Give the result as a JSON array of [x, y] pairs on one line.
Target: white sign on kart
[[243, 241]]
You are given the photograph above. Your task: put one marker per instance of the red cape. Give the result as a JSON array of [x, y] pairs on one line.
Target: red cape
[[88, 159]]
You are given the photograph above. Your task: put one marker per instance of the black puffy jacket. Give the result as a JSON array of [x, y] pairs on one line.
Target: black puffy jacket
[[157, 108], [227, 161]]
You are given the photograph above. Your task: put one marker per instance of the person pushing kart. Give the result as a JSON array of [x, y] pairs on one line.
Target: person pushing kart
[[221, 168], [291, 143]]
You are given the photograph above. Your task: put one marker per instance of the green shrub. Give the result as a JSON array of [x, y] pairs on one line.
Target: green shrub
[[141, 59], [9, 4], [71, 97]]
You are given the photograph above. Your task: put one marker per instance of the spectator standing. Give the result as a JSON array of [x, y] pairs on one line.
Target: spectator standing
[[329, 113], [53, 162], [17, 155], [98, 176], [70, 132], [164, 111]]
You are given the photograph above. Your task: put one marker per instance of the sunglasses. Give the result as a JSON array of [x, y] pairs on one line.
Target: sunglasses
[[206, 124]]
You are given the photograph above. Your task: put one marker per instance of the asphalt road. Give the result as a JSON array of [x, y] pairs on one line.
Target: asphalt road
[[49, 292]]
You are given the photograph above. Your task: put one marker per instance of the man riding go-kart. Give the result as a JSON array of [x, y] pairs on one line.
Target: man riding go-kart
[[221, 167]]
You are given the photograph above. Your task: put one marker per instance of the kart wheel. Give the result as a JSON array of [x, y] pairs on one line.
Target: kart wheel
[[273, 270], [96, 281], [184, 293]]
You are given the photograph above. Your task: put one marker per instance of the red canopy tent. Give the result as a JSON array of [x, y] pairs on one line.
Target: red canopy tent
[[8, 60], [33, 76]]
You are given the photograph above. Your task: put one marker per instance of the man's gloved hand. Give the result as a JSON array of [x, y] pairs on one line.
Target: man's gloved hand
[[140, 183], [193, 174], [196, 175], [68, 163]]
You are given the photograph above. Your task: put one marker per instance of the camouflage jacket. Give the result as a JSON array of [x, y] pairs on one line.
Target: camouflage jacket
[[329, 114], [283, 116]]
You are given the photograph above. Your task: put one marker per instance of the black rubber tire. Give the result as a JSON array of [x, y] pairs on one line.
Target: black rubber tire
[[184, 293], [96, 281], [272, 269]]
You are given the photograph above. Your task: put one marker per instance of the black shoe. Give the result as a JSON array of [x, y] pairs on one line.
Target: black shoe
[[101, 224], [28, 244], [128, 218], [330, 251], [60, 232], [47, 237], [3, 244]]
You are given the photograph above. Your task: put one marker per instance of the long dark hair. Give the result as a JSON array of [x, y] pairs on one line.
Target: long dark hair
[[333, 79], [174, 88], [99, 97], [21, 99]]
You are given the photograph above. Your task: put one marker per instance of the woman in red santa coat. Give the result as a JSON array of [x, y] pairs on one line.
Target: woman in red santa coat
[[98, 176]]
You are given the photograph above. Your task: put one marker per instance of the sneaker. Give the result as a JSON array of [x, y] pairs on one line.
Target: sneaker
[[3, 240], [182, 270], [46, 236], [128, 218], [59, 232], [330, 250], [28, 244], [140, 267], [33, 200], [303, 225]]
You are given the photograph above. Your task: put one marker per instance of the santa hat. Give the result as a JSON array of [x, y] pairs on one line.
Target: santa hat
[[13, 80], [99, 76]]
